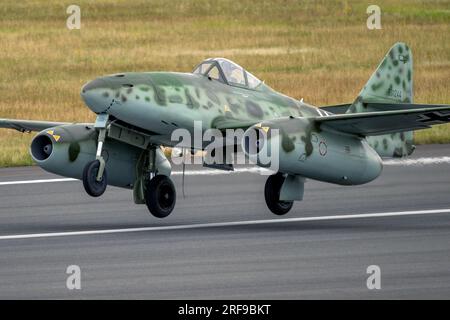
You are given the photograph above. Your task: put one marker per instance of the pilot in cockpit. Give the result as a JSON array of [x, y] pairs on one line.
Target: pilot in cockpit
[[232, 72]]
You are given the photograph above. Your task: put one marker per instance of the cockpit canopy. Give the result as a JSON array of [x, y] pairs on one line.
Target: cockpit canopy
[[228, 72]]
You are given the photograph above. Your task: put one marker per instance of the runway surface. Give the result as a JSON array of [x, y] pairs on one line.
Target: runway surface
[[222, 242]]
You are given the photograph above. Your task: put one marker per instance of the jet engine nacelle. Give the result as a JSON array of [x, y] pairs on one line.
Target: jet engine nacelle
[[297, 147], [65, 150]]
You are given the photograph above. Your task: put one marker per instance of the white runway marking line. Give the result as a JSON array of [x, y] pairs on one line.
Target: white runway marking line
[[393, 162], [223, 224], [7, 183]]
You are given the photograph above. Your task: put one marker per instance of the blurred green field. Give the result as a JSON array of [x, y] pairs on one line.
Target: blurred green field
[[321, 51]]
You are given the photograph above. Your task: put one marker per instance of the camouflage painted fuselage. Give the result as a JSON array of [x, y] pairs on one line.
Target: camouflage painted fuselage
[[163, 101]]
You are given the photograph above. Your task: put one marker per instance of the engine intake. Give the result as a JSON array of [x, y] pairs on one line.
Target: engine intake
[[41, 147]]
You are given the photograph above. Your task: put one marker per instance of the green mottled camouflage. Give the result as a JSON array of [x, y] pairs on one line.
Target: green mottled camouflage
[[164, 101], [177, 99], [392, 82]]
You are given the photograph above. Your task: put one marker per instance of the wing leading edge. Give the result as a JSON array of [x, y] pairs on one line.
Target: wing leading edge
[[385, 122], [28, 125]]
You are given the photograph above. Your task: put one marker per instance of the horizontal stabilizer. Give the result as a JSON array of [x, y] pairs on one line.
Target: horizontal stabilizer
[[400, 106], [385, 122], [337, 109]]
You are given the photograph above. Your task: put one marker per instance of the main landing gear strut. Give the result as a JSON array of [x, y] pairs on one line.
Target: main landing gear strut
[[282, 190], [160, 196], [272, 191], [153, 186]]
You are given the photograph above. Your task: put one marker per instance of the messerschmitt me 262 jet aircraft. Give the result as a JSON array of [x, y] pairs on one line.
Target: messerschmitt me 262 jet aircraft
[[137, 112]]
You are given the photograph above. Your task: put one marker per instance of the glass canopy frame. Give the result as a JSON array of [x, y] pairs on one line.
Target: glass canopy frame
[[227, 72]]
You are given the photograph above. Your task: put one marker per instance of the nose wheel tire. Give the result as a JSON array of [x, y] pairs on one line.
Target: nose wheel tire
[[93, 187], [160, 196], [272, 195]]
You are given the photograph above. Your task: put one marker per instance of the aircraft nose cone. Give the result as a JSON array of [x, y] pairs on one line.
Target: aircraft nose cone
[[94, 84], [96, 95]]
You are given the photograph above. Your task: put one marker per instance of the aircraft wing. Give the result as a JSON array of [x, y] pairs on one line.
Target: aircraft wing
[[384, 122], [28, 125]]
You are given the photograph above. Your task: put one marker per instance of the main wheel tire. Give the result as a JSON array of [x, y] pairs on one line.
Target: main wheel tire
[[160, 196], [93, 187], [272, 195]]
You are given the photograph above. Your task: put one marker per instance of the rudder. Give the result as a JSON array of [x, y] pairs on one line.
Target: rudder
[[392, 82]]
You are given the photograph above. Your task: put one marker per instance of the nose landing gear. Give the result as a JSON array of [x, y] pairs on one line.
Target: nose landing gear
[[94, 187], [94, 173]]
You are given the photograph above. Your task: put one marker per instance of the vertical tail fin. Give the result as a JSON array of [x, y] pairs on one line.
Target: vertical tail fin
[[392, 82]]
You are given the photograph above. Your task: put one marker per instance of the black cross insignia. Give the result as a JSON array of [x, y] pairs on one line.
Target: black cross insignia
[[435, 117]]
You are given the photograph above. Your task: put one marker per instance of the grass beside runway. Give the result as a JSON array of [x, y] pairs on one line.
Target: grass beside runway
[[321, 51]]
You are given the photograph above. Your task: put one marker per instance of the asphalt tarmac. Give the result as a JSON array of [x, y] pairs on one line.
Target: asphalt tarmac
[[222, 242]]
